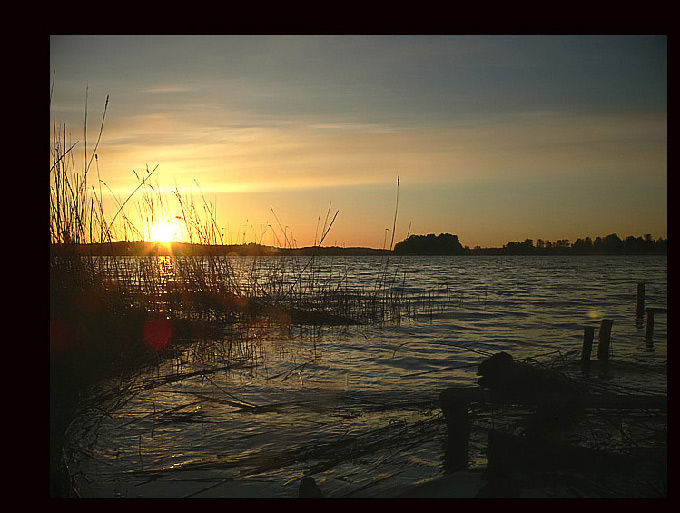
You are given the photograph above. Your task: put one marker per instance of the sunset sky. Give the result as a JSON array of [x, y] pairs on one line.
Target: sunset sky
[[493, 138]]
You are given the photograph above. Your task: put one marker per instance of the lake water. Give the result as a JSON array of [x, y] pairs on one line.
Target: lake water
[[356, 406]]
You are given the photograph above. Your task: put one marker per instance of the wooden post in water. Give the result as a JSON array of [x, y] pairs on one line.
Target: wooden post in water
[[603, 339], [588, 336], [649, 328], [455, 411], [649, 325], [640, 303]]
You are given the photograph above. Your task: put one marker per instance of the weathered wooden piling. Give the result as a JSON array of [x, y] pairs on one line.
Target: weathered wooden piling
[[640, 303], [588, 336], [649, 325], [649, 321], [455, 409], [604, 338]]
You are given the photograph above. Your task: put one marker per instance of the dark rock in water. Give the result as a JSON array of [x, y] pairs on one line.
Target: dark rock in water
[[502, 373], [309, 489], [557, 398], [496, 370]]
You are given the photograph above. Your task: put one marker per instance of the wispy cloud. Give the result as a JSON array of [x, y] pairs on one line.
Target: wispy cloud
[[166, 90], [288, 114]]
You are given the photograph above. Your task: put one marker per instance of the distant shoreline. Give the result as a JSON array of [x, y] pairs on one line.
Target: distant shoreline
[[141, 248]]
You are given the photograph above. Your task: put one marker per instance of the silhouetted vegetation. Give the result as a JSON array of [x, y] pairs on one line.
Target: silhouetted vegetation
[[442, 244], [447, 244], [145, 248], [111, 317], [608, 245]]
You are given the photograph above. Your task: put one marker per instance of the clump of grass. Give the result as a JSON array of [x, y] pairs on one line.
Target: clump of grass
[[100, 304]]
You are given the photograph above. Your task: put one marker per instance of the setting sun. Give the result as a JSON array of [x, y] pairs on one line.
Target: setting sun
[[163, 231], [353, 232]]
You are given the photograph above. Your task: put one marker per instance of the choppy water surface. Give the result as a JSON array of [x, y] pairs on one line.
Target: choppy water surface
[[356, 407]]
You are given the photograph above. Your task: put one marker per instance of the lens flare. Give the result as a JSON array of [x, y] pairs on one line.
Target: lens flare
[[157, 333], [596, 314]]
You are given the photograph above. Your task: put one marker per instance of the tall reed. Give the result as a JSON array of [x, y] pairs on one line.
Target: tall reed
[[101, 307], [205, 286]]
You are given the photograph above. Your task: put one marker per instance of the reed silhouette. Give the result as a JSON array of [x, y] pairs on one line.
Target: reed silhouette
[[111, 317]]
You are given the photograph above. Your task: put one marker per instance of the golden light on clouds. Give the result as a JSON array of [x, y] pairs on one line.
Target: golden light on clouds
[[270, 159], [493, 138], [503, 157]]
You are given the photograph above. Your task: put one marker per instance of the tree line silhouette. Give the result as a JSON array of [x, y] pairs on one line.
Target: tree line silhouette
[[431, 244], [448, 244]]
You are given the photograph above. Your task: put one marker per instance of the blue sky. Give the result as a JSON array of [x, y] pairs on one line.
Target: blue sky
[[493, 138]]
